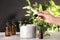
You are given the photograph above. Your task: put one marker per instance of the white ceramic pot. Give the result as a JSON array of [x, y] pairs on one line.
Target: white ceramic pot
[[28, 31]]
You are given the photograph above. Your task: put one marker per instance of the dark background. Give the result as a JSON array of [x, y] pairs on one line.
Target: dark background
[[14, 8]]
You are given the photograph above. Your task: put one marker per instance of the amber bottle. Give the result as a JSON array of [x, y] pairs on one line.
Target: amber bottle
[[8, 30], [13, 29], [40, 34]]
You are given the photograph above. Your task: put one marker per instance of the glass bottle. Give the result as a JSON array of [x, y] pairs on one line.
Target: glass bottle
[[13, 29], [8, 29], [40, 34]]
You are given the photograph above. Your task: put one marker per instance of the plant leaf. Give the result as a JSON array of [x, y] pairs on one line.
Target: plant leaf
[[40, 7], [35, 4], [26, 7], [28, 11], [27, 15], [28, 2]]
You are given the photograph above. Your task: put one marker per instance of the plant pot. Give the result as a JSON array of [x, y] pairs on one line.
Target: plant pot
[[28, 31], [40, 34]]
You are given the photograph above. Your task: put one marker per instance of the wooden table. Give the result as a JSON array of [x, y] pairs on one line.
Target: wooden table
[[54, 36]]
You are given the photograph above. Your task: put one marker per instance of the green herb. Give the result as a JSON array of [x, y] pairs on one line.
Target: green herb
[[33, 9]]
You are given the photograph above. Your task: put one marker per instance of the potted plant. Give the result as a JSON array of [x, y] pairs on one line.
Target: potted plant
[[28, 25], [27, 29], [33, 9]]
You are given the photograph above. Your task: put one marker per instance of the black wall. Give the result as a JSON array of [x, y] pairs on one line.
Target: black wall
[[14, 7]]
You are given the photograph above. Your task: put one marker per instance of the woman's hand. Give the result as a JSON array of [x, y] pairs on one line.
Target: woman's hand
[[45, 16]]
